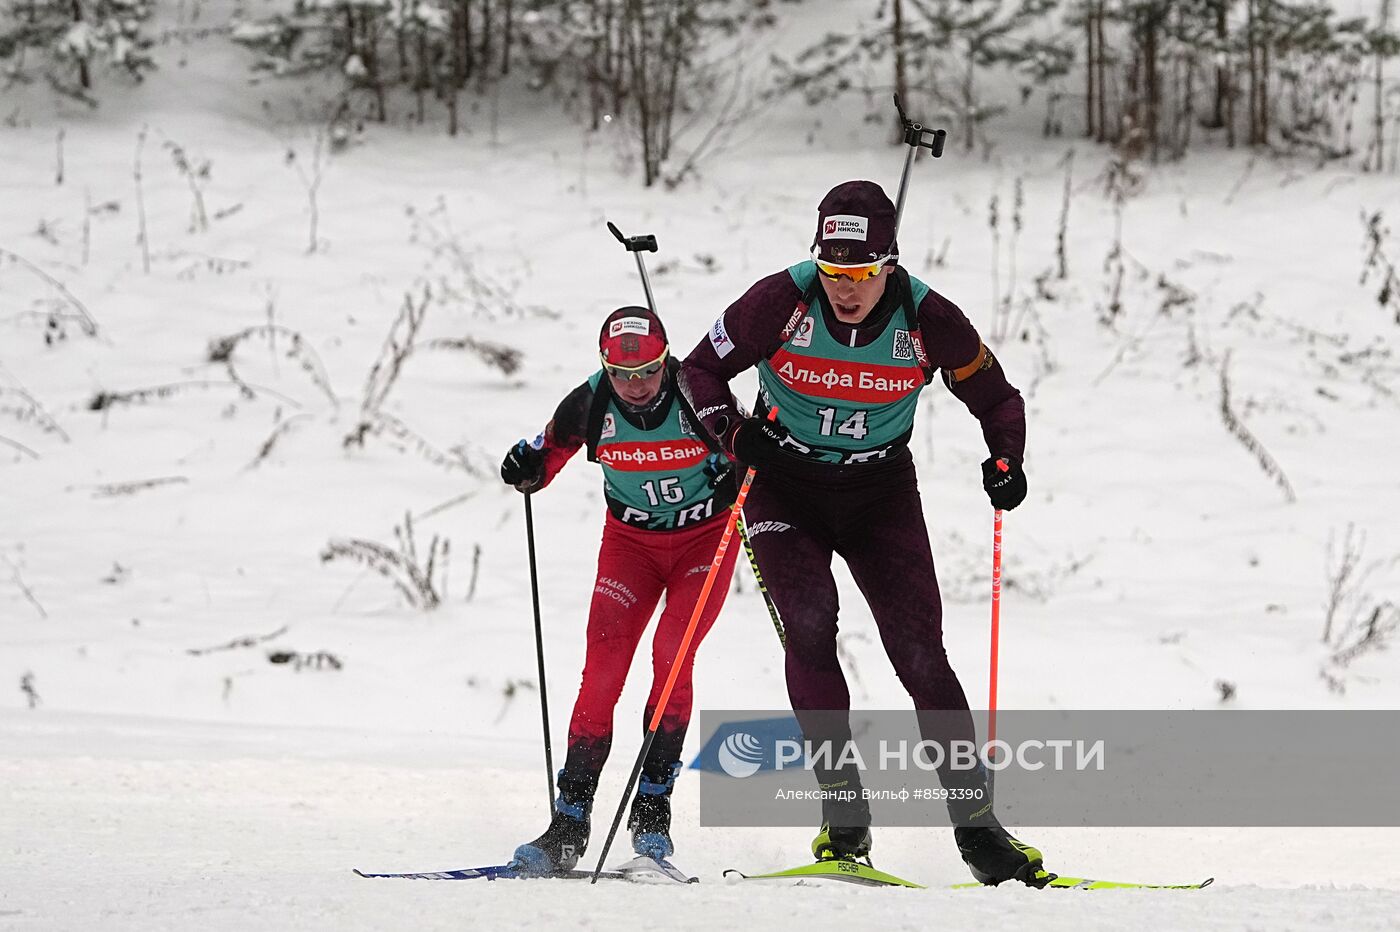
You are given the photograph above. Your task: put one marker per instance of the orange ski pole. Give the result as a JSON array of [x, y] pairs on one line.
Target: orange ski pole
[[996, 628], [665, 696], [996, 631]]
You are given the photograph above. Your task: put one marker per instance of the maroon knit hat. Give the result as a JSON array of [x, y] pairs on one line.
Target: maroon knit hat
[[855, 224], [632, 336]]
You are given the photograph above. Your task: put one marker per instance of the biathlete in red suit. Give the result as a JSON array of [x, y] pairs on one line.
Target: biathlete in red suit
[[843, 344], [668, 494]]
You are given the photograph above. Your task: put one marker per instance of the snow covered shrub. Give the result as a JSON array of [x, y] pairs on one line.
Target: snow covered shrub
[[400, 343], [934, 52], [422, 582], [1149, 73], [62, 307], [72, 36], [313, 35], [1370, 631], [376, 46], [656, 65], [24, 408], [1357, 621], [320, 660], [26, 686], [1379, 265], [456, 277], [297, 350]]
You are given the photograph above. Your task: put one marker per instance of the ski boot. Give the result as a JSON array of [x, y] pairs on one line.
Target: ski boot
[[650, 817], [994, 856], [842, 843], [845, 834], [563, 843], [989, 850]]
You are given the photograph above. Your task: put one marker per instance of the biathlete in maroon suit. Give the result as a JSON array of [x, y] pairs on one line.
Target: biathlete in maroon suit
[[843, 344], [668, 494]]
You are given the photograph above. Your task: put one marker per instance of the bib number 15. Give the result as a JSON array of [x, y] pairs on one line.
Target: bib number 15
[[667, 490], [853, 426]]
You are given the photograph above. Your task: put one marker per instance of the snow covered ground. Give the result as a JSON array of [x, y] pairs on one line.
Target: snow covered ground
[[164, 824], [171, 776]]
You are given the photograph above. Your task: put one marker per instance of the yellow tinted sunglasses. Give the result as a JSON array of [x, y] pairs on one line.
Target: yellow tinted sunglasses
[[645, 371]]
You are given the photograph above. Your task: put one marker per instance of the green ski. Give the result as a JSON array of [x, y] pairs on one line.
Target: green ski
[[1085, 883], [864, 874], [836, 869]]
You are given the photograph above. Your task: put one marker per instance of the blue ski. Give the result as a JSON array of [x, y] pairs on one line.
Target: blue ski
[[492, 872], [641, 869]]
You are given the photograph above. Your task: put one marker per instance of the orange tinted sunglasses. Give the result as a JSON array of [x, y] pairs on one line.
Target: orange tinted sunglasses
[[856, 273]]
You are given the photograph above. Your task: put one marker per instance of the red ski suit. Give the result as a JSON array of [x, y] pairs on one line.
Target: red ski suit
[[635, 567]]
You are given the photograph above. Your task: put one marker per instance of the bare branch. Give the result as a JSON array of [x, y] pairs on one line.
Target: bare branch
[[19, 446], [386, 369], [1369, 635], [497, 355], [142, 233], [104, 400], [450, 503], [249, 641], [1251, 443], [33, 411], [28, 593], [221, 350], [26, 686], [422, 584], [283, 428], [88, 323], [113, 489], [1340, 570]]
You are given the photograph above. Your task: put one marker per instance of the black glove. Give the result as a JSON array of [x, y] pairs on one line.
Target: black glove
[[523, 466], [717, 469], [758, 441], [1004, 481]]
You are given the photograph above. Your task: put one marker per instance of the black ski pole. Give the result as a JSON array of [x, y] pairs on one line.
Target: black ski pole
[[638, 245], [762, 587], [914, 134], [539, 651]]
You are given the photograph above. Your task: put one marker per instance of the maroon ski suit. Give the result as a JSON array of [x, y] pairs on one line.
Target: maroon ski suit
[[801, 513]]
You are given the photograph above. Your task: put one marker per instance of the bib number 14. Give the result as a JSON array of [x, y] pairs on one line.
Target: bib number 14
[[853, 426]]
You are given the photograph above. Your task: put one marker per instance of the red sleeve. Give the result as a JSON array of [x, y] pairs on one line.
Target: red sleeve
[[749, 331], [565, 433], [974, 375]]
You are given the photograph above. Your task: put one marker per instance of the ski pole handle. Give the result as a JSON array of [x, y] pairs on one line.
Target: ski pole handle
[[914, 134], [638, 245], [643, 243]]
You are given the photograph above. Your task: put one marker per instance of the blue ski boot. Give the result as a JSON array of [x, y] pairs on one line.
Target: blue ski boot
[[563, 843], [650, 818]]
